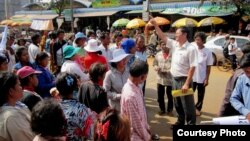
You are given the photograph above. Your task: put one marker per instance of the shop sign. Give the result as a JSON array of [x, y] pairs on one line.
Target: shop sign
[[67, 15], [105, 3], [202, 11]]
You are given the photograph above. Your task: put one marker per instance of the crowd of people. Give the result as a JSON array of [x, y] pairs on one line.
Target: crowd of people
[[84, 89]]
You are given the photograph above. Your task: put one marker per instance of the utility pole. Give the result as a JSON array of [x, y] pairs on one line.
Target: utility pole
[[72, 16], [6, 8]]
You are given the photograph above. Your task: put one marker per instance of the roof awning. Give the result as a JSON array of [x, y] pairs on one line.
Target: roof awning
[[95, 14], [141, 11], [33, 17]]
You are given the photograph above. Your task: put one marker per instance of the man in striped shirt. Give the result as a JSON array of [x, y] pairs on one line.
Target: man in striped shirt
[[132, 104]]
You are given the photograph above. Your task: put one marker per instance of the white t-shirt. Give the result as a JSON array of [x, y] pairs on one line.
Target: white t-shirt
[[33, 50], [107, 53], [73, 68], [182, 58], [204, 59], [230, 47]]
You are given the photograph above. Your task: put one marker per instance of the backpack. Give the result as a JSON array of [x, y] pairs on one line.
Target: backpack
[[225, 49]]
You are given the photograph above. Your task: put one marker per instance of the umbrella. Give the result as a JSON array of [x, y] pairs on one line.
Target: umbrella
[[135, 23], [188, 22], [25, 23], [211, 21], [160, 21], [6, 22], [120, 22]]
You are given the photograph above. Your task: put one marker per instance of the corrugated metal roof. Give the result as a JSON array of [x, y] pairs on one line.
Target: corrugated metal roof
[[94, 14]]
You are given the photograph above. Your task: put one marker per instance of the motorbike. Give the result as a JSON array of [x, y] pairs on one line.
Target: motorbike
[[151, 50]]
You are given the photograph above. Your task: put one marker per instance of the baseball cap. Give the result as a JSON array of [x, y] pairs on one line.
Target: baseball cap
[[26, 71], [127, 44]]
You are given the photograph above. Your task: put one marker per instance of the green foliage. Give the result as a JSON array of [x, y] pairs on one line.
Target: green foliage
[[59, 5], [243, 6]]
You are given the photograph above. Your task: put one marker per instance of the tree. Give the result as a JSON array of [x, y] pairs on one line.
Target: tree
[[243, 6], [59, 6]]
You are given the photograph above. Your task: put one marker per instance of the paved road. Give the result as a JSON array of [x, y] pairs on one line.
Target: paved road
[[212, 101]]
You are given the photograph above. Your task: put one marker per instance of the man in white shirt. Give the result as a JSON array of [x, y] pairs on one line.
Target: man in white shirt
[[33, 49], [202, 70], [182, 69], [232, 49], [106, 52]]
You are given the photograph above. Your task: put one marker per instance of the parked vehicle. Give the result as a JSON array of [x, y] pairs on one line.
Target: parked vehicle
[[215, 45], [151, 50]]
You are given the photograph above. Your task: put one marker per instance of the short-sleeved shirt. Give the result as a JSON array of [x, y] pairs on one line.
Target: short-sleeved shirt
[[183, 57], [204, 59], [74, 68], [92, 58], [164, 76], [33, 50], [79, 120], [107, 53], [230, 47]]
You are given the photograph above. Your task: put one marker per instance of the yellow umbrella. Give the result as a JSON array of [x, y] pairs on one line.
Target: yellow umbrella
[[135, 23], [25, 23], [211, 21], [14, 24], [188, 22], [160, 21]]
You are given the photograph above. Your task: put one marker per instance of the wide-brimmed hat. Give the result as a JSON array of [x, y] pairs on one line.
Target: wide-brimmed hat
[[26, 71], [92, 46], [118, 55], [70, 51]]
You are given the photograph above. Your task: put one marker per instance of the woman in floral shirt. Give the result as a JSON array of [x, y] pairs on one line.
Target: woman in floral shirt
[[79, 118]]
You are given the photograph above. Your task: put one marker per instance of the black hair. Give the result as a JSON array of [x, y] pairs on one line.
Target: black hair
[[35, 37], [139, 37], [3, 59], [246, 48], [104, 35], [202, 35], [53, 35], [113, 64], [118, 124], [19, 41], [118, 34], [185, 30], [138, 68], [59, 32], [96, 70], [90, 33], [47, 119], [245, 61], [66, 83], [19, 52], [7, 81], [41, 56], [26, 80], [31, 100], [232, 38]]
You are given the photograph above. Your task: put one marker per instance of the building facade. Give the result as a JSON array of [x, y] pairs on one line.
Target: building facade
[[9, 7]]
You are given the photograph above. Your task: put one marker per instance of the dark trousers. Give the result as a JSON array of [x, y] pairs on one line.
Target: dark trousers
[[161, 92], [184, 105], [233, 60], [201, 92]]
